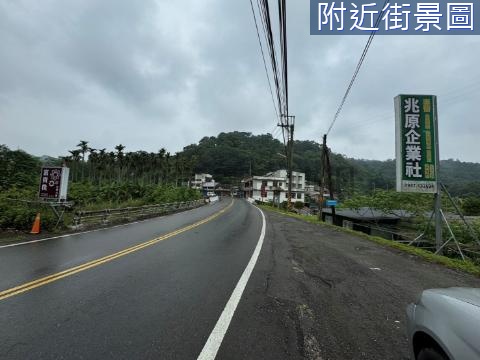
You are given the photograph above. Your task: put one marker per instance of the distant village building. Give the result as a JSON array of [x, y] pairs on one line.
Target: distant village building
[[273, 187], [312, 190], [204, 183]]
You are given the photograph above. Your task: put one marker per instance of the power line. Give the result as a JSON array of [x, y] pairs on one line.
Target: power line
[[280, 81], [452, 96], [283, 47], [280, 77], [264, 62], [265, 11], [357, 69]]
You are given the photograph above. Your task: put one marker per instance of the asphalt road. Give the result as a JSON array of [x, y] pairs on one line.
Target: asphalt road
[[160, 302], [322, 294], [314, 293]]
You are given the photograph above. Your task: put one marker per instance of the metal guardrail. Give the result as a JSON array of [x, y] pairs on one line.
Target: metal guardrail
[[107, 216]]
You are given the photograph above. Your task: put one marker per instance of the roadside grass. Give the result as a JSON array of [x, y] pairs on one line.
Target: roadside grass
[[12, 235], [456, 264]]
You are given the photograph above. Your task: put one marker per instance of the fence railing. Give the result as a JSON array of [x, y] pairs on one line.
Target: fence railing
[[471, 249], [106, 216]]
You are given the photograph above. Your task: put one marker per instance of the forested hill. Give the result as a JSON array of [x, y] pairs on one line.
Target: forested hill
[[231, 156], [228, 157]]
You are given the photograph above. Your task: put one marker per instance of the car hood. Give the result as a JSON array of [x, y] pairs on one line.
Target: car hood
[[468, 295]]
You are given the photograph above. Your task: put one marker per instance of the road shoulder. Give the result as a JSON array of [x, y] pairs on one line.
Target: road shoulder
[[317, 293]]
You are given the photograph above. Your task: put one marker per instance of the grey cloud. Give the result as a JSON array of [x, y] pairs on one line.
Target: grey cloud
[[160, 73]]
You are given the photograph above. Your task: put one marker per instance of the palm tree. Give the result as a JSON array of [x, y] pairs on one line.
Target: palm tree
[[66, 161], [111, 164], [83, 145], [102, 164], [160, 159], [177, 168], [75, 156], [130, 162], [120, 156], [167, 167], [92, 163]]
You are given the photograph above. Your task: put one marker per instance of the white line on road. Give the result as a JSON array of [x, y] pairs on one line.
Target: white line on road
[[215, 339]]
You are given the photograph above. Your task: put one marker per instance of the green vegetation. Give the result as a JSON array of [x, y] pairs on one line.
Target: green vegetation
[[471, 206], [17, 213], [17, 168], [111, 180], [418, 206], [389, 201], [139, 167], [231, 156], [457, 264], [102, 178], [298, 205]]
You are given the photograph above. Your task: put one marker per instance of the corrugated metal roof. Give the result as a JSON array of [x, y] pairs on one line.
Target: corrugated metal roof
[[364, 213]]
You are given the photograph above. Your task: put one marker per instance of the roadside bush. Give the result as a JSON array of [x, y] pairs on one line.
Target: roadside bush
[[167, 194], [88, 196], [471, 206], [17, 213], [298, 205], [461, 232], [18, 207]]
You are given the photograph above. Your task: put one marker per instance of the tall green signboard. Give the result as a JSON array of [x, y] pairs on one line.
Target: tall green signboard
[[416, 143]]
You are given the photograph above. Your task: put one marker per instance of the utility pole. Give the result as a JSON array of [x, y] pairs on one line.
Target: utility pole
[[326, 168], [329, 177], [290, 164], [289, 125], [251, 179], [322, 177], [438, 197], [352, 181]]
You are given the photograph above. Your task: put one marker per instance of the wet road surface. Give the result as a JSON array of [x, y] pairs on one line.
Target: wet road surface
[[318, 293], [314, 293], [159, 302]]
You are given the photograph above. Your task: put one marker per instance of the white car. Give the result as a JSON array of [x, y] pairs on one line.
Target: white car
[[444, 324]]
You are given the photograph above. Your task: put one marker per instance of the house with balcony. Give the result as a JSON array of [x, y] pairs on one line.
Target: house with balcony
[[273, 187], [205, 183]]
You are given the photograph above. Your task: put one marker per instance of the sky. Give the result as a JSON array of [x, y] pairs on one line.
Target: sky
[[150, 74]]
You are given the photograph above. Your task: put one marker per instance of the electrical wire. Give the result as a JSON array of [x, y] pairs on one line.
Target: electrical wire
[[264, 62], [357, 69], [452, 96], [265, 11], [279, 72]]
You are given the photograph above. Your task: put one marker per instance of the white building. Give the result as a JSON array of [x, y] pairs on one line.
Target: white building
[[203, 182], [274, 187]]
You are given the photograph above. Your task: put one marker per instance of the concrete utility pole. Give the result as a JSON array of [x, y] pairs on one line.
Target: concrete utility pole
[[290, 165], [289, 125], [326, 168], [322, 177]]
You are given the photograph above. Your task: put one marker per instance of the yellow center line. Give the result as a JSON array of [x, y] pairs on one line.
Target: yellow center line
[[88, 265]]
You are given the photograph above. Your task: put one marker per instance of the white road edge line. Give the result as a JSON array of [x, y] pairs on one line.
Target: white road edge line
[[89, 231], [211, 347]]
